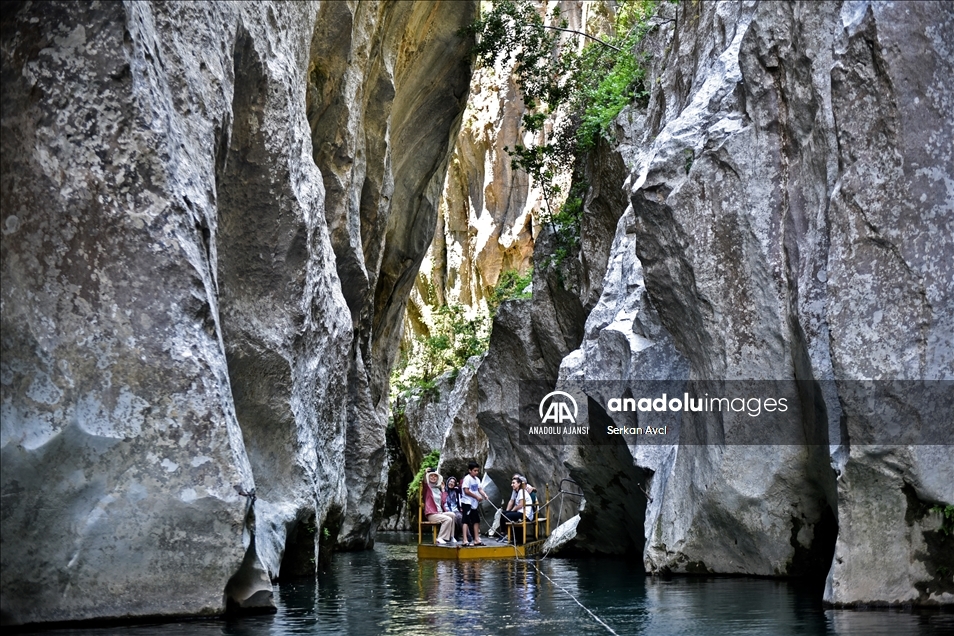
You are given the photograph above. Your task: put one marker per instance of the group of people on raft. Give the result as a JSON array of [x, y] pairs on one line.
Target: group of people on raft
[[454, 505]]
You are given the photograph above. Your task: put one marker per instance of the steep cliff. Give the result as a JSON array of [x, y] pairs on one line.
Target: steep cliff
[[490, 222], [191, 307], [489, 213], [779, 211], [384, 101], [792, 223]]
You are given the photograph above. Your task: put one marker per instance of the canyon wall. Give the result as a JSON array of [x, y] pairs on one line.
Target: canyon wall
[[489, 213], [780, 211], [385, 101], [213, 214], [792, 219]]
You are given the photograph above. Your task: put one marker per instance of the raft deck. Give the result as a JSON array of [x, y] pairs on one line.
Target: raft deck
[[539, 529], [492, 550]]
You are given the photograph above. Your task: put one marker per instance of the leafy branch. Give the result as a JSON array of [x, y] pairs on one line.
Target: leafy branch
[[584, 34], [572, 91]]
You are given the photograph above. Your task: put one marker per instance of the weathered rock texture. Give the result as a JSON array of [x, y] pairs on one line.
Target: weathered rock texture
[[531, 338], [384, 101], [488, 222], [489, 213], [189, 304], [775, 233], [443, 418], [793, 217], [485, 219]]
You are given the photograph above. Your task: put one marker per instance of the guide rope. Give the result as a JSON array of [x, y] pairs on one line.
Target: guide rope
[[575, 600], [516, 556]]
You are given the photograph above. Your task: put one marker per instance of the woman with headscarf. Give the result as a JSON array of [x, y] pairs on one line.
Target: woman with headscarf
[[452, 504], [434, 501]]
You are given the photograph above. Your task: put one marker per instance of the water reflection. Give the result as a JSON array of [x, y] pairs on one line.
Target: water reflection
[[387, 591]]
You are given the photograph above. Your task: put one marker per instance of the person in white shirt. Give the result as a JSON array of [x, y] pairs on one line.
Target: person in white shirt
[[472, 495], [520, 506], [495, 526]]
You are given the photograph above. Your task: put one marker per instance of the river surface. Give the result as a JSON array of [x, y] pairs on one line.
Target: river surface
[[387, 591]]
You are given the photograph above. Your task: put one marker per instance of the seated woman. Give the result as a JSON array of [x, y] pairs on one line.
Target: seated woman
[[452, 505], [495, 526], [434, 500], [520, 506]]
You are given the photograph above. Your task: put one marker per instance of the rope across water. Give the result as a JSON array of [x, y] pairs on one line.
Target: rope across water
[[516, 556]]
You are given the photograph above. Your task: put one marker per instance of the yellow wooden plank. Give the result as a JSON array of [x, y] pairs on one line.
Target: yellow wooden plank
[[477, 553]]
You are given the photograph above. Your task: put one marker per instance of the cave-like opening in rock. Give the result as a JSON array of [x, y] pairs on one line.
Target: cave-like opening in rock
[[301, 547]]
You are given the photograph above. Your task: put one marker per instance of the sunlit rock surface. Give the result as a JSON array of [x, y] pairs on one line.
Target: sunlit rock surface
[[385, 99], [190, 307], [489, 213], [793, 219], [485, 218]]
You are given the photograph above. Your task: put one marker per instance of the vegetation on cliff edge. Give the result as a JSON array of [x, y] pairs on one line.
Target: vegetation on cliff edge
[[574, 84]]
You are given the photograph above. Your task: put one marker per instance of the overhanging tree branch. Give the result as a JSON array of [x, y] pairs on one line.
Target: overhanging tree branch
[[586, 35]]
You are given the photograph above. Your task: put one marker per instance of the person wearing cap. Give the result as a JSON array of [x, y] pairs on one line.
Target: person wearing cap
[[520, 506], [495, 527], [435, 500]]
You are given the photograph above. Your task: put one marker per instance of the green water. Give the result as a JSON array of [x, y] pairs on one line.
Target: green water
[[387, 591]]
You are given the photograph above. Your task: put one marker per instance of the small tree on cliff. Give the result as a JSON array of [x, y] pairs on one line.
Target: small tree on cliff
[[574, 83]]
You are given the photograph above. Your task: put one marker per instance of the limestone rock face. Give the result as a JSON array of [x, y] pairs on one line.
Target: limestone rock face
[[186, 313], [562, 536], [385, 98], [530, 340], [792, 224], [489, 214], [891, 293], [121, 441], [443, 419], [463, 440], [624, 345], [485, 219]]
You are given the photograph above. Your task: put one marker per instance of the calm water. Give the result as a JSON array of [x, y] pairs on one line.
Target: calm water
[[387, 591]]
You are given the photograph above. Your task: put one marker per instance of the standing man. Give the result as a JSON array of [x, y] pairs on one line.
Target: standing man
[[473, 494]]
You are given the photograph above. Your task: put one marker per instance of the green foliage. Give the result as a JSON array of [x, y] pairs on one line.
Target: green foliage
[[454, 339], [567, 224], [414, 488], [510, 285], [587, 86], [947, 519]]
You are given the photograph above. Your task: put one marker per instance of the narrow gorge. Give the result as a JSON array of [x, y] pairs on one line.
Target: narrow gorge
[[228, 228]]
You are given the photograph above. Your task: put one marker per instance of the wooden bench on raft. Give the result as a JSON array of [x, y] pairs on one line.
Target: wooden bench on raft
[[539, 519], [421, 521]]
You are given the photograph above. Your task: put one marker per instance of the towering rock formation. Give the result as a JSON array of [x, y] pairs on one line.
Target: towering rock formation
[[190, 307], [790, 220], [489, 214], [792, 223], [384, 102]]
